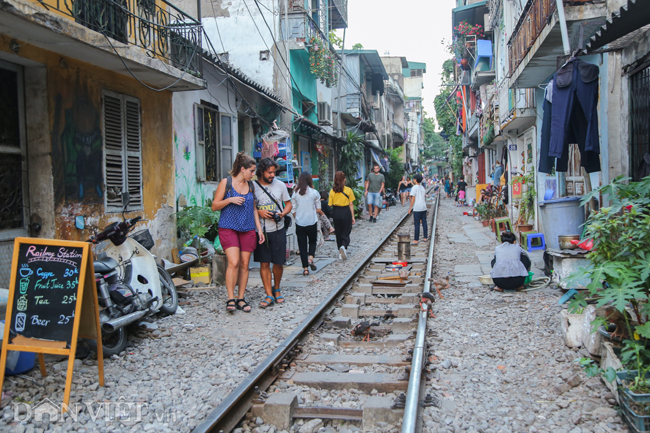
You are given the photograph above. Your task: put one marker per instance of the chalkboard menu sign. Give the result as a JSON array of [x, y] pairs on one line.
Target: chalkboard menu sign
[[45, 296], [52, 303]]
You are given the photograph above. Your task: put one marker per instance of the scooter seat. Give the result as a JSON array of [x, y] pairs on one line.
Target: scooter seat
[[105, 265]]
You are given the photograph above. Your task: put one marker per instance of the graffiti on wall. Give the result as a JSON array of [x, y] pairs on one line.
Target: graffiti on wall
[[195, 193], [77, 149]]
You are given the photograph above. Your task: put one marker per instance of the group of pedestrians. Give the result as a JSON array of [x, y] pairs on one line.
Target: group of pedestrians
[[254, 221]]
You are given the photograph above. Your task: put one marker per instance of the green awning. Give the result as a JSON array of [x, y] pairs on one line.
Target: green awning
[[471, 14]]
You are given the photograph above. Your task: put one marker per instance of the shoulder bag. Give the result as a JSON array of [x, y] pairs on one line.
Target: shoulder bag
[[287, 219]]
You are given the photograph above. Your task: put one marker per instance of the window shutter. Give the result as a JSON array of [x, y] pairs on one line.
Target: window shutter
[[199, 149], [113, 150], [133, 167]]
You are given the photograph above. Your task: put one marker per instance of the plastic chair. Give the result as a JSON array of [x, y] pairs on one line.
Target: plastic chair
[[530, 238], [507, 226], [523, 237], [483, 52]]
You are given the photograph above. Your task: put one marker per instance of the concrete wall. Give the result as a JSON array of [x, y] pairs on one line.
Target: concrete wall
[[196, 193], [66, 151]]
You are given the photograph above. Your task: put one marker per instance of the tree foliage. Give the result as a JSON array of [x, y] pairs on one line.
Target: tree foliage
[[434, 145], [446, 112], [396, 166], [351, 155], [357, 46]]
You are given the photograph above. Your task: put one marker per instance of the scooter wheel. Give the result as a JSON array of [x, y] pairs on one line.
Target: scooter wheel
[[113, 343], [168, 289]]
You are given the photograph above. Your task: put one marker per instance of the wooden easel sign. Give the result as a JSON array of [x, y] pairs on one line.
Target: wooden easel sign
[[52, 302]]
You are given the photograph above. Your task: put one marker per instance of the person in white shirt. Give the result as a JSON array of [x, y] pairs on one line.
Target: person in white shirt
[[306, 205], [419, 208]]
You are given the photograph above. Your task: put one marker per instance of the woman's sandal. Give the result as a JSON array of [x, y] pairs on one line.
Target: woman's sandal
[[243, 306], [496, 289], [231, 305], [268, 303], [305, 273], [278, 299], [312, 266]]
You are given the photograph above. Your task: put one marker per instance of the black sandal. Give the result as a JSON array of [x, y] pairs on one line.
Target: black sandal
[[241, 307], [231, 305], [312, 266], [305, 273]]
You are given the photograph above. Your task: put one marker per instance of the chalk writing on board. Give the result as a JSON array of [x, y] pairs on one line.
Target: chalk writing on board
[[45, 296]]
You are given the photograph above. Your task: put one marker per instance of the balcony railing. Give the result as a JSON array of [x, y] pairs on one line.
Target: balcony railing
[[163, 32], [339, 14], [532, 21], [398, 130]]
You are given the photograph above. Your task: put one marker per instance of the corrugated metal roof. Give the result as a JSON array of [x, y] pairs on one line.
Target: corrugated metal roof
[[630, 17], [239, 75], [372, 58]]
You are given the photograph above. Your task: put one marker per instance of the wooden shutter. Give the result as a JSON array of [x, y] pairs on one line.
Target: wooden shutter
[[122, 150], [133, 166], [199, 149], [113, 150]]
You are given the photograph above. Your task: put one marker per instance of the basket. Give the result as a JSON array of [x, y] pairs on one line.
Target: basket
[[637, 423], [143, 237]]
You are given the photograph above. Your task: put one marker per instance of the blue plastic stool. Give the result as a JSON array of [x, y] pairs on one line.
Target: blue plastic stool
[[529, 239], [483, 54]]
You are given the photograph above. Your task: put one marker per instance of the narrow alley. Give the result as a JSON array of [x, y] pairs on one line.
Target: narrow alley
[[502, 364]]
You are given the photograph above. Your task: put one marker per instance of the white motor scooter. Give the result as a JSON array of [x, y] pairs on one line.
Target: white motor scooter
[[130, 285]]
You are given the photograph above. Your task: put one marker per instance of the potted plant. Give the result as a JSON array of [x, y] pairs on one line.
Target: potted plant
[[619, 272], [526, 203], [197, 222]]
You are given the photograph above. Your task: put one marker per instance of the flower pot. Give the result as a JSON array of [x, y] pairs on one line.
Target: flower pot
[[521, 228], [464, 63], [485, 223], [636, 421]]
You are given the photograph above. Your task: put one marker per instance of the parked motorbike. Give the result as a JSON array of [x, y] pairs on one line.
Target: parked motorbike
[[130, 285], [390, 198]]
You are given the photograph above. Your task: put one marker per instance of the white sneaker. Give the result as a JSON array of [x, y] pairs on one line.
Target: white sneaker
[[343, 253]]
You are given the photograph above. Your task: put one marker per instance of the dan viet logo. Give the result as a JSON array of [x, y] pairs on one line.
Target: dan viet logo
[[121, 410]]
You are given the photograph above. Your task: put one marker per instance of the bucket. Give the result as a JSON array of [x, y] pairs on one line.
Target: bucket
[[561, 216], [26, 360]]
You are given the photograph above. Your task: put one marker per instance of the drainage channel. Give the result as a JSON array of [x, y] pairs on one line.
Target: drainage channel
[[360, 339]]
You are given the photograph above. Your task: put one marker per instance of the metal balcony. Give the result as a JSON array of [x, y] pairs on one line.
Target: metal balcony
[[158, 27], [398, 130], [536, 43], [339, 14], [516, 109]]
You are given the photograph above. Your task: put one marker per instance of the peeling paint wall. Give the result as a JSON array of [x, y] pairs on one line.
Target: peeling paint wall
[[233, 24], [74, 100]]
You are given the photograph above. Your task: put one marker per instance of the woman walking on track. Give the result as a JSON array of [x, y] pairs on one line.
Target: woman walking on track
[[305, 201], [236, 201], [341, 200]]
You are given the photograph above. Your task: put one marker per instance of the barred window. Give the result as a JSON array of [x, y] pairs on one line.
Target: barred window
[[214, 143]]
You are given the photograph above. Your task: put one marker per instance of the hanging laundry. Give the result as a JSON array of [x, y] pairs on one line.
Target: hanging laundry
[[574, 114]]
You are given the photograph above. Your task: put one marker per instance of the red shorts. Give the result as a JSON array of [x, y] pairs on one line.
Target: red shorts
[[245, 241]]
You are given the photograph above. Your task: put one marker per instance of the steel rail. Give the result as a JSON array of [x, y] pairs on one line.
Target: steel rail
[[412, 407], [226, 416]]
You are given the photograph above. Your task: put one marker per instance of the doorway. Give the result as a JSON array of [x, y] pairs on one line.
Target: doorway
[[13, 168]]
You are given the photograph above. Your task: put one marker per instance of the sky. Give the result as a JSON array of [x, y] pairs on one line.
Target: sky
[[409, 28]]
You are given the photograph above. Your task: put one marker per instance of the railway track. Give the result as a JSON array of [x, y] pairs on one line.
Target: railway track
[[368, 337]]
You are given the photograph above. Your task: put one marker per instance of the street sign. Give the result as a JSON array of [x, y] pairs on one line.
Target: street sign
[[512, 147]]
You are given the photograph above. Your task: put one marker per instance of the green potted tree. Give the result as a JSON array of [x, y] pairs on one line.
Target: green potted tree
[[526, 203], [619, 272]]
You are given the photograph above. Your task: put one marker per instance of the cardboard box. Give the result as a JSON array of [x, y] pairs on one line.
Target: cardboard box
[[201, 275]]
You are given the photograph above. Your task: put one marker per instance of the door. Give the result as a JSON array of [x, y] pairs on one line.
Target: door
[[13, 167], [481, 168]]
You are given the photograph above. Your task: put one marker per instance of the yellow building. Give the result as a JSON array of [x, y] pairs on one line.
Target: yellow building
[[85, 110]]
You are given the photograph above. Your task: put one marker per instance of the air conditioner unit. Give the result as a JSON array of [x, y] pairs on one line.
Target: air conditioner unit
[[324, 113]]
